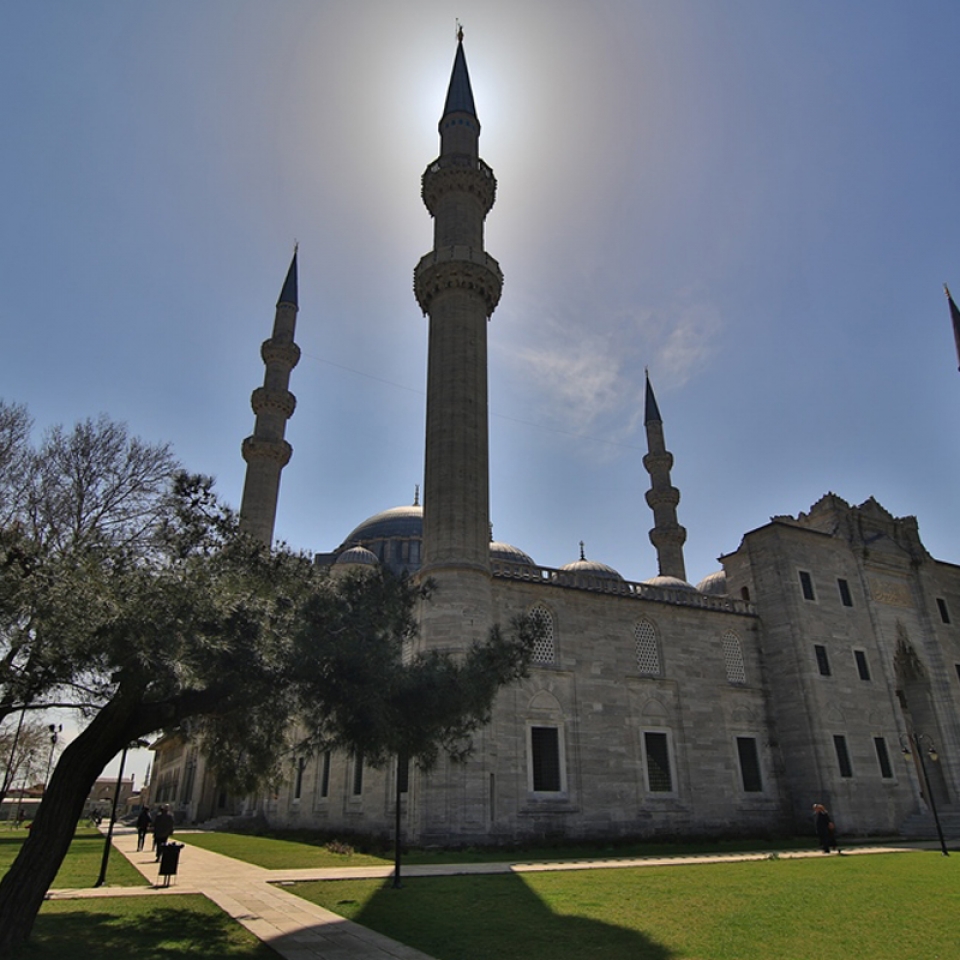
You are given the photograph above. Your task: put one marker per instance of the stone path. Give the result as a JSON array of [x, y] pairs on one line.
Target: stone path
[[300, 930]]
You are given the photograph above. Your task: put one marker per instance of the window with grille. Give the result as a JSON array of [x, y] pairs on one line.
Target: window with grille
[[545, 759], [843, 756], [944, 612], [844, 589], [648, 650], [544, 647], [823, 661], [325, 775], [657, 751], [733, 658], [883, 758], [863, 668], [749, 764], [357, 774], [298, 787]]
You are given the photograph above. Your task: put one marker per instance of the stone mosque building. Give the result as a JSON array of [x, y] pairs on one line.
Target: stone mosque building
[[798, 673]]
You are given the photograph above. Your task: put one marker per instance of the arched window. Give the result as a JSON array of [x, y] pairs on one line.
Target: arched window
[[733, 658], [648, 649], [544, 649]]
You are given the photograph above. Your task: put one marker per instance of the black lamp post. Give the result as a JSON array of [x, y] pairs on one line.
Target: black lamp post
[[55, 731], [916, 740], [113, 812]]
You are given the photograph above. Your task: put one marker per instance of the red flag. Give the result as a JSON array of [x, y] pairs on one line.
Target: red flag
[[955, 317]]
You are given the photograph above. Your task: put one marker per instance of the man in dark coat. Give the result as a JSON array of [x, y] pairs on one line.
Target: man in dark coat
[[143, 827], [825, 829], [162, 828]]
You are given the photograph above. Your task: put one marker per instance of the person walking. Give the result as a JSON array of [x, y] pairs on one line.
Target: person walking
[[826, 831], [162, 828], [143, 827]]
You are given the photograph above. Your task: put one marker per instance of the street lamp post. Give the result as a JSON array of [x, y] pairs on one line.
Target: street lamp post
[[55, 731], [113, 812], [916, 739]]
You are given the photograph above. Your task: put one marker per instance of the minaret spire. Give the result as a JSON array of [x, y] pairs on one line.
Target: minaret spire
[[266, 451], [457, 286], [667, 536]]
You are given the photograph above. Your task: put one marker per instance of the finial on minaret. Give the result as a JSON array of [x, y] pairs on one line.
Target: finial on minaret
[[416, 495], [955, 320], [459, 32], [667, 536], [582, 556]]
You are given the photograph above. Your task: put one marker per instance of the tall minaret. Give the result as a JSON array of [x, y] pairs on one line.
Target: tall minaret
[[266, 452], [667, 535], [458, 286]]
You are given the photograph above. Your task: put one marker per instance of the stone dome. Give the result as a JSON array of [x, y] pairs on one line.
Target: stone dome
[[510, 554], [404, 522], [591, 568], [714, 584], [357, 556], [670, 583]]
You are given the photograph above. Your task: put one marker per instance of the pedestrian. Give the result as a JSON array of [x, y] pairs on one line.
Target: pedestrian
[[826, 831], [143, 827], [162, 828]]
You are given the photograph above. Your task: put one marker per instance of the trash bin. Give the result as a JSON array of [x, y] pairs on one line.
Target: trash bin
[[169, 861]]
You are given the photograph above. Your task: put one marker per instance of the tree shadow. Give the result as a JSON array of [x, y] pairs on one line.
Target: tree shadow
[[191, 926], [478, 917]]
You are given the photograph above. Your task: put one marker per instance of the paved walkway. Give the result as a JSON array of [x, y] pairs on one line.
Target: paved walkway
[[300, 930]]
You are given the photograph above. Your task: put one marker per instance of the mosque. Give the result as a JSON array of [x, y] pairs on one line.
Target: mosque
[[820, 664]]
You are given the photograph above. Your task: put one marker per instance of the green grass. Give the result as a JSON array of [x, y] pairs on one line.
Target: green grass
[[81, 866], [144, 928], [296, 849], [883, 907]]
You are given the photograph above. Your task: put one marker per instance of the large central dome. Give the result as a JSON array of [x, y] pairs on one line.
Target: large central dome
[[395, 536]]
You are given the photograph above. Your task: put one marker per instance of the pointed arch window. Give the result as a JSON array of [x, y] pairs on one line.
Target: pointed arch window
[[733, 658], [545, 646], [648, 648]]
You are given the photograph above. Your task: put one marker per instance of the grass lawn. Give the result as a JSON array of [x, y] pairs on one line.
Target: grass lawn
[[296, 849], [140, 927], [883, 907], [81, 866]]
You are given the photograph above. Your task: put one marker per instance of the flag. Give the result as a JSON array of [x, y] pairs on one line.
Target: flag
[[955, 318]]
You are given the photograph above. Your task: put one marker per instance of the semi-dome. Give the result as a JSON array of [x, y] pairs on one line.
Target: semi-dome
[[670, 583], [509, 553], [714, 584]]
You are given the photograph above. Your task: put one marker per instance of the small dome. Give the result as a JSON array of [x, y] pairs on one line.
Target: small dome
[[509, 553], [670, 583], [395, 522], [714, 584], [591, 568], [358, 556]]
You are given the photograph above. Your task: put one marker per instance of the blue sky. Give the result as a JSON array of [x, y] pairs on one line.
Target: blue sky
[[757, 201]]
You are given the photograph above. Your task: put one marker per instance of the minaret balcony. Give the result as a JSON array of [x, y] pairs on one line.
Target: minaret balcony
[[458, 268], [461, 173], [265, 448], [285, 354], [264, 400]]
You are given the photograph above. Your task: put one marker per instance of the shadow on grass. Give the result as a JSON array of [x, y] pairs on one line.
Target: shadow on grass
[[492, 916], [192, 927]]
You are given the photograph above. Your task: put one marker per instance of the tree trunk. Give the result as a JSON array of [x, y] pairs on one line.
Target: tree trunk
[[23, 888]]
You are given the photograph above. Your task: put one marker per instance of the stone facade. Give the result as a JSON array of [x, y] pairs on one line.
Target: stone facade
[[793, 676]]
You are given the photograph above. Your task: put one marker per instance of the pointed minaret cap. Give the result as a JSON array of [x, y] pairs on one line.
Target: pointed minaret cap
[[651, 412], [289, 292], [459, 94]]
